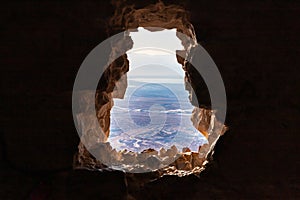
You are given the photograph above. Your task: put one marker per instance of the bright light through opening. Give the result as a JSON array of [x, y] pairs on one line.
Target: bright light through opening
[[155, 112]]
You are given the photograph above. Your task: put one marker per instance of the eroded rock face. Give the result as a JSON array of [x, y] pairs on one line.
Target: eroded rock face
[[113, 84], [156, 15]]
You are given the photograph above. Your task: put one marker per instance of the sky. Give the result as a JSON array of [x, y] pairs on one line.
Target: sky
[[153, 56]]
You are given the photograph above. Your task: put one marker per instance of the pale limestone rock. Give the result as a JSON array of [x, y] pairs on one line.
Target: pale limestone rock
[[168, 160], [174, 148], [180, 163], [120, 87], [188, 166], [91, 133], [162, 152], [196, 160], [172, 151], [203, 150], [187, 156], [150, 152], [116, 156], [185, 149], [141, 157], [153, 162], [139, 169], [103, 152], [129, 157]]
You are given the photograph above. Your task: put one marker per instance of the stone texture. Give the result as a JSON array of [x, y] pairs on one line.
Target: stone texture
[[255, 45], [115, 83]]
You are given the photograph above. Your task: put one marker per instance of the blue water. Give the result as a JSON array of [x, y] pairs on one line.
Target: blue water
[[153, 116]]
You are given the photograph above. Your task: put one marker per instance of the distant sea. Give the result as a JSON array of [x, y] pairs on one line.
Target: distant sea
[[153, 115]]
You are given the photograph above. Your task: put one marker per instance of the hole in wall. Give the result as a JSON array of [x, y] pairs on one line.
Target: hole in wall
[[155, 112], [114, 82]]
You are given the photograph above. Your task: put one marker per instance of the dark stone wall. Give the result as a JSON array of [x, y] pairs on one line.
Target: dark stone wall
[[256, 47], [255, 44]]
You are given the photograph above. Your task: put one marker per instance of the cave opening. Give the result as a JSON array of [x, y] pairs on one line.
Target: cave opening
[[100, 145], [155, 112]]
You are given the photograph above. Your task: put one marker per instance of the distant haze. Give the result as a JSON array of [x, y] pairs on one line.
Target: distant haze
[[153, 56]]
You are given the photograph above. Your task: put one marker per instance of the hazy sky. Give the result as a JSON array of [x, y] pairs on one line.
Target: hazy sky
[[153, 56]]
